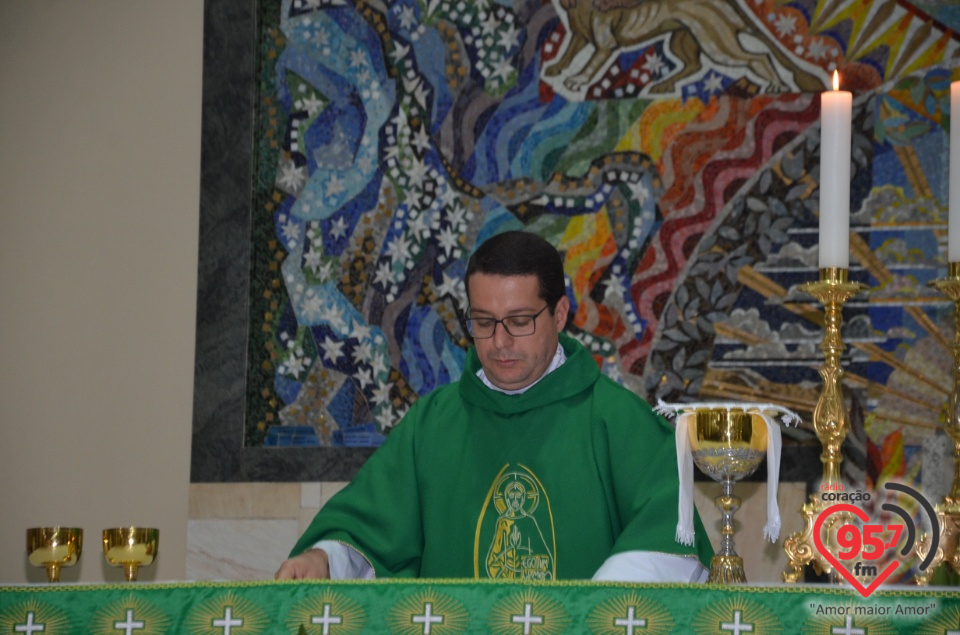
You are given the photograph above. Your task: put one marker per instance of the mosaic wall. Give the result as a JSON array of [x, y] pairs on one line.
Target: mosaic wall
[[673, 161]]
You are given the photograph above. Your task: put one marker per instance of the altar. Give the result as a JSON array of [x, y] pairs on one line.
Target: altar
[[441, 607]]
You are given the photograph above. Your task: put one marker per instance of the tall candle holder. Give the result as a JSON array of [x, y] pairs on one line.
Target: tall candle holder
[[829, 422], [948, 510]]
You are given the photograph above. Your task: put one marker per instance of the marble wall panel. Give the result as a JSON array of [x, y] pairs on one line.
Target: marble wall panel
[[243, 531]]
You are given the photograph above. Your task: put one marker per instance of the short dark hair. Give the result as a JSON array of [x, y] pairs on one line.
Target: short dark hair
[[518, 253]]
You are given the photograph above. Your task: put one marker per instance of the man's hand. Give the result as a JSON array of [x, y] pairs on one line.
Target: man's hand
[[309, 564]]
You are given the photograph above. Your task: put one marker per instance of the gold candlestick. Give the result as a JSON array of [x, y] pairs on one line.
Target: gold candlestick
[[829, 422], [948, 511]]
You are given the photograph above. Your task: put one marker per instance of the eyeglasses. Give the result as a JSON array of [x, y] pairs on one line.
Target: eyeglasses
[[515, 325]]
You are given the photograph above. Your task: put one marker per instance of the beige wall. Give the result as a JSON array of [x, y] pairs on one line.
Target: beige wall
[[99, 194]]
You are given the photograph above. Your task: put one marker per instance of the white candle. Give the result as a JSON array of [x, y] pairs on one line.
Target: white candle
[[953, 218], [836, 107]]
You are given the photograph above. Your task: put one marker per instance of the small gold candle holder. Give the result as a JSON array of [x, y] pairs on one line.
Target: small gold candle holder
[[53, 548], [130, 548], [829, 422], [948, 510], [727, 445]]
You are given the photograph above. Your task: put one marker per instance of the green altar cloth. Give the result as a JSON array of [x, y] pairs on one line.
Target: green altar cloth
[[443, 607]]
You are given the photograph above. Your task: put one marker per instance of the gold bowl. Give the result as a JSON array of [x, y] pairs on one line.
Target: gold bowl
[[53, 548], [727, 444], [130, 548]]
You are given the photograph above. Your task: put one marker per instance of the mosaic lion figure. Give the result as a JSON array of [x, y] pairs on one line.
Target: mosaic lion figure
[[713, 28]]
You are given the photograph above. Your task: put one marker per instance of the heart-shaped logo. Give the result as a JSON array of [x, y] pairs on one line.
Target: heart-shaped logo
[[839, 566]]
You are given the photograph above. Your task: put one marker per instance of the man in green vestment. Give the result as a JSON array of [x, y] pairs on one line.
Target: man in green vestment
[[533, 466]]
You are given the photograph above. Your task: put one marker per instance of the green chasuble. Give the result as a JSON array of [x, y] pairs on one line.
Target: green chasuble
[[547, 484]]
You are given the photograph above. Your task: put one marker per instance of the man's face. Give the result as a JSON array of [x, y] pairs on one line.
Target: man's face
[[515, 498], [511, 362]]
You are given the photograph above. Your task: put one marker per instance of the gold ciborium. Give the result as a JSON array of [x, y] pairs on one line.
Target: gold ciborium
[[727, 445], [53, 548], [130, 548]]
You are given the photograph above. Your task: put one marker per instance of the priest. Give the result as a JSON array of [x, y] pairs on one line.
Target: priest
[[533, 466]]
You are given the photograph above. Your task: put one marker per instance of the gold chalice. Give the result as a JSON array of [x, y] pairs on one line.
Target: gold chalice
[[727, 445], [130, 548], [53, 548]]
